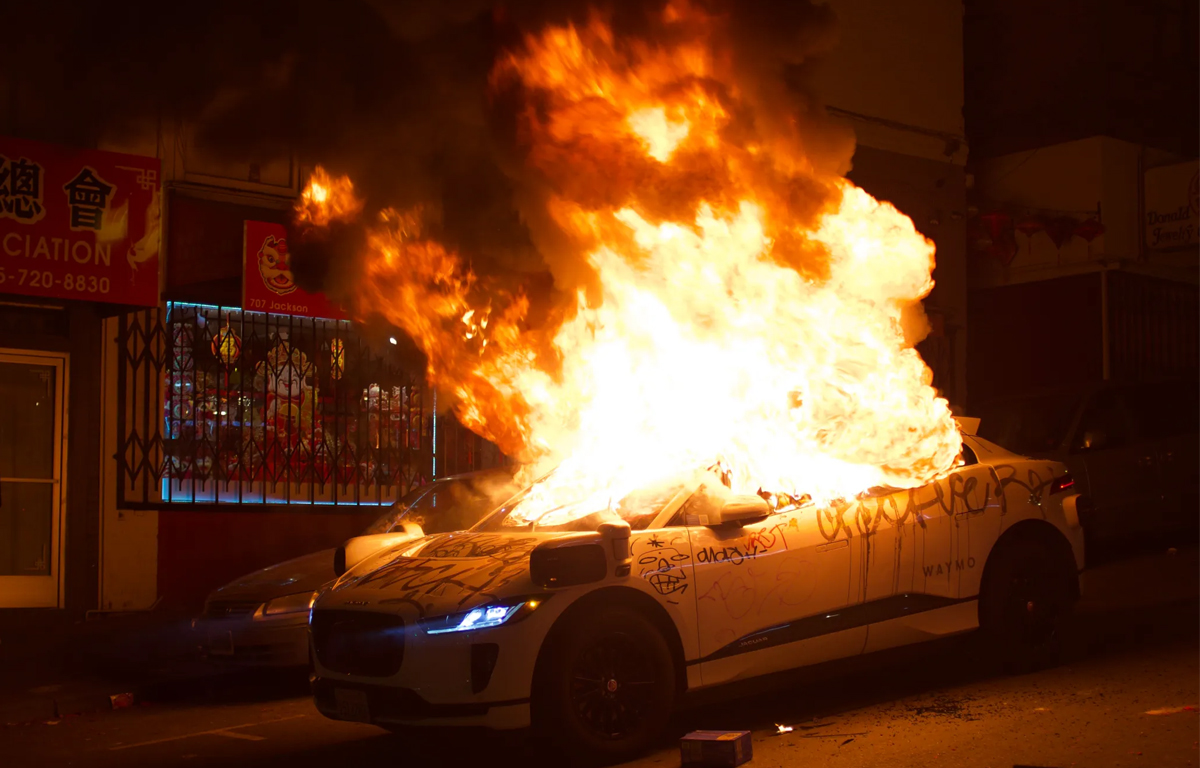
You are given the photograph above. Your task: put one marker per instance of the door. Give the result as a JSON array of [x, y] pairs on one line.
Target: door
[[32, 419], [1122, 466], [935, 531], [1167, 420], [915, 541], [976, 492], [770, 595]]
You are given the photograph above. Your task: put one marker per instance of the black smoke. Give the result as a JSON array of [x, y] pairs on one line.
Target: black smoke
[[395, 94]]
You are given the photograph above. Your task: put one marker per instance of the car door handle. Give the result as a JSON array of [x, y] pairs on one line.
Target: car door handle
[[834, 545]]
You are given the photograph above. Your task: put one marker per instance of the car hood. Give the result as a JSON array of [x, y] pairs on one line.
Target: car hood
[[441, 574], [302, 574]]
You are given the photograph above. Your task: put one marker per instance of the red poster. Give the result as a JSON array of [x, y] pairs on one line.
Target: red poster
[[78, 223], [267, 282]]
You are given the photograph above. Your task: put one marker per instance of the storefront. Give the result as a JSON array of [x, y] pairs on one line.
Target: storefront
[[164, 431], [79, 239], [253, 420]]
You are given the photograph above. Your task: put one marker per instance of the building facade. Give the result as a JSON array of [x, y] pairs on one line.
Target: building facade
[[165, 428], [1082, 246], [196, 434], [895, 77]]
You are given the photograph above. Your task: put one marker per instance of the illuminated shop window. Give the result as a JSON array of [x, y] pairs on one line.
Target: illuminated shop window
[[216, 405]]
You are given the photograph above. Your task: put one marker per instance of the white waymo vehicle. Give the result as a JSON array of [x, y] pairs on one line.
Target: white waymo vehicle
[[594, 628]]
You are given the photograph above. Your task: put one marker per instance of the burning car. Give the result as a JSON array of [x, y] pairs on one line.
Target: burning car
[[261, 619], [593, 619]]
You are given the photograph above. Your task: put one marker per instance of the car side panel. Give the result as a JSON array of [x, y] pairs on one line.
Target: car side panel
[[954, 619], [763, 585], [663, 568], [1025, 485], [934, 506], [802, 653], [887, 547], [977, 522], [1179, 467]]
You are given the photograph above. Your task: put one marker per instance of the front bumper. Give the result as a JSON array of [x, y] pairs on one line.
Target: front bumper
[[276, 641], [476, 678], [387, 705]]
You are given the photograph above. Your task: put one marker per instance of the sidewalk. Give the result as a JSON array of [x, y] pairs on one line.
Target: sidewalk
[[103, 664]]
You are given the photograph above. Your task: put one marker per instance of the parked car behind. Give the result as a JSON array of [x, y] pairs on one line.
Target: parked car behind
[[262, 618], [1133, 448]]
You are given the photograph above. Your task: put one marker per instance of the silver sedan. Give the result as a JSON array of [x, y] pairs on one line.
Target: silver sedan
[[261, 619]]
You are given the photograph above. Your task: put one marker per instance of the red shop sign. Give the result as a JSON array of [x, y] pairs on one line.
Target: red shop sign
[[79, 223], [267, 282]]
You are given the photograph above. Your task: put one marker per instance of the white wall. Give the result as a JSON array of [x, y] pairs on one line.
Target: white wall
[[903, 63], [1098, 175], [128, 538]]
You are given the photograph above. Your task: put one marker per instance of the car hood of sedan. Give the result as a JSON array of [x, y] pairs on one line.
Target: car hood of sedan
[[302, 574], [443, 573]]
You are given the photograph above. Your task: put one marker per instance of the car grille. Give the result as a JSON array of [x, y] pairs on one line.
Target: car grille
[[220, 609], [386, 703], [358, 642]]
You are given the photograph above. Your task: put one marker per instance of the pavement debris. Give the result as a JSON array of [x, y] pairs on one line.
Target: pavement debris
[[1172, 710], [121, 700]]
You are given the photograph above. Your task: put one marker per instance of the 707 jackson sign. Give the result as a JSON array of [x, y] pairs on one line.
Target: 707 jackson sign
[[78, 224]]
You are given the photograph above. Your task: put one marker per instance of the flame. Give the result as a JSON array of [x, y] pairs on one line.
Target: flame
[[327, 199], [749, 309]]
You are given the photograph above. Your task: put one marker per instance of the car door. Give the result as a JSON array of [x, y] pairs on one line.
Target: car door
[[924, 551], [930, 540], [975, 493], [770, 595], [1167, 419], [1122, 466]]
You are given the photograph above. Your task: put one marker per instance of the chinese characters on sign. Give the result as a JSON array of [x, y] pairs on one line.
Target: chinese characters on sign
[[87, 197], [78, 224], [267, 282], [21, 190]]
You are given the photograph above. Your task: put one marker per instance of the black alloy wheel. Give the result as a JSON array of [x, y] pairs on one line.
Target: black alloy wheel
[[1026, 596], [606, 685], [613, 686]]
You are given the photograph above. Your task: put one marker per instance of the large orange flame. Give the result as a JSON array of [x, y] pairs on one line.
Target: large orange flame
[[748, 312]]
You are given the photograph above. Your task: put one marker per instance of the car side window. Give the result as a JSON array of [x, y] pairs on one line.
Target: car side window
[[1105, 423], [1165, 409]]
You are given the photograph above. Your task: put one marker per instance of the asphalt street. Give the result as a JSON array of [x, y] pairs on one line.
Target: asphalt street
[[1124, 695]]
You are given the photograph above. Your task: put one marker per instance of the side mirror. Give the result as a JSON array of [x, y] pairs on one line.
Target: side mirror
[[360, 548], [742, 510], [616, 535]]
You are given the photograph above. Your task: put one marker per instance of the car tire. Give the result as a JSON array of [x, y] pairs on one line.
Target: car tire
[[605, 685], [1027, 593]]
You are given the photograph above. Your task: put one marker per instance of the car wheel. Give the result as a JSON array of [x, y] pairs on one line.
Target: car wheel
[[606, 684], [1026, 595]]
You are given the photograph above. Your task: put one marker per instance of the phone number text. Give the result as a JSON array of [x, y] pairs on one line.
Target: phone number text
[[45, 279]]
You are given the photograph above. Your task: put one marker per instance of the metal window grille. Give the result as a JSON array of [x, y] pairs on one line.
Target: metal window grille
[[222, 406], [1153, 325]]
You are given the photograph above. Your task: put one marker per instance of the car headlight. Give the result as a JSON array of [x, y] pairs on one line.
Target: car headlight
[[297, 603], [482, 617]]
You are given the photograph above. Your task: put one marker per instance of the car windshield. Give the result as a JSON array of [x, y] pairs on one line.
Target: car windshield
[[530, 511], [452, 504], [1029, 425]]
